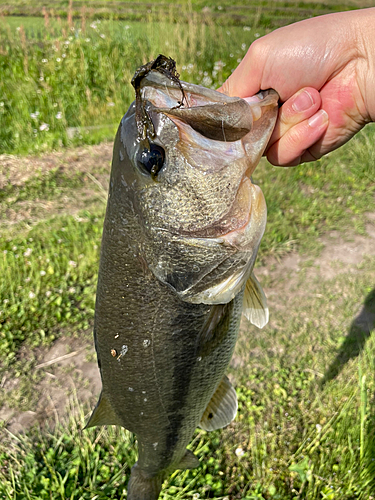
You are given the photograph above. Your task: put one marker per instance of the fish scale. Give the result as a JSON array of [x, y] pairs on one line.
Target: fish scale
[[179, 243]]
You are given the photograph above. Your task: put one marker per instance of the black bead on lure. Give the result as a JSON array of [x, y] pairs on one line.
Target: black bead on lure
[[180, 238]]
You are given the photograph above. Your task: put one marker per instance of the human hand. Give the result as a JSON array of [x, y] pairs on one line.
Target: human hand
[[324, 71]]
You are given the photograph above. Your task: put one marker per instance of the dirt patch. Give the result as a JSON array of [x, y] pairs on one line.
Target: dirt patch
[[94, 161], [16, 170], [68, 370]]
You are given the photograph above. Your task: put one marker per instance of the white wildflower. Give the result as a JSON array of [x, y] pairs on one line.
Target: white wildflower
[[59, 115], [72, 289], [102, 36], [58, 59], [28, 252], [41, 79], [207, 81], [318, 428], [88, 40], [63, 55], [239, 452], [257, 35], [44, 60], [1, 104], [44, 126], [31, 295], [5, 301], [246, 28], [42, 273], [48, 293], [72, 263], [110, 104]]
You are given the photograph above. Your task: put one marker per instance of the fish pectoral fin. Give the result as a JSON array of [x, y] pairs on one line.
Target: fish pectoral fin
[[222, 408], [188, 461], [103, 414], [255, 307]]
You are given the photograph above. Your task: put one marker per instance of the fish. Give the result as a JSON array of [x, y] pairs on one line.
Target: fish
[[182, 230]]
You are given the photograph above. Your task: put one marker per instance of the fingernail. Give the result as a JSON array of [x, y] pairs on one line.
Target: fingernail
[[318, 119], [302, 102]]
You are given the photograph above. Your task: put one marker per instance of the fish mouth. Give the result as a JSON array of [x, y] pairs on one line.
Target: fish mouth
[[213, 114], [211, 253], [208, 121]]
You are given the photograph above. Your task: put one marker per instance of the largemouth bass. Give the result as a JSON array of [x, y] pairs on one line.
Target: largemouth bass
[[181, 233]]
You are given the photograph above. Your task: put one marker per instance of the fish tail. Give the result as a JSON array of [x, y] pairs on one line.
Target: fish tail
[[143, 486]]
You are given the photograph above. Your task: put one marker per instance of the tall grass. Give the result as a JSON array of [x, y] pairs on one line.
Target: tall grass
[[47, 281], [71, 75]]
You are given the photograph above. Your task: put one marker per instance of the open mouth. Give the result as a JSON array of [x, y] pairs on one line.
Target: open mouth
[[216, 132]]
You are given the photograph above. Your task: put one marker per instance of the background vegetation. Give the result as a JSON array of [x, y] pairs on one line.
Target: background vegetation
[[303, 431]]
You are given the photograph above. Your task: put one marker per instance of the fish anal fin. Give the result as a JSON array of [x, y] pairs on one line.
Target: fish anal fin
[[255, 307], [222, 408], [103, 414], [188, 461]]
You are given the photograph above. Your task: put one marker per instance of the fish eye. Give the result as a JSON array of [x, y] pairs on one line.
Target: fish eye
[[152, 159]]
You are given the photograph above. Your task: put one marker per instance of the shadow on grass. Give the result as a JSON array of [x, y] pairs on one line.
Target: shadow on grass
[[360, 331]]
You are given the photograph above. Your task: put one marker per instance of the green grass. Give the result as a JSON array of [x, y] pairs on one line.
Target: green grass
[[305, 383], [48, 282], [295, 437], [305, 201], [65, 75], [269, 15]]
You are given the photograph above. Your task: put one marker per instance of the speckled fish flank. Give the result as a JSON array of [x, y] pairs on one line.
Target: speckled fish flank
[[181, 233]]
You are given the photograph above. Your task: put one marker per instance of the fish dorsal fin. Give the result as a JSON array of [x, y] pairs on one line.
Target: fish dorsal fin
[[188, 461], [255, 307], [222, 408], [103, 414]]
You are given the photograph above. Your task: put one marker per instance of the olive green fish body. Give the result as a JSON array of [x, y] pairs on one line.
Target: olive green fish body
[[181, 233], [154, 350]]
